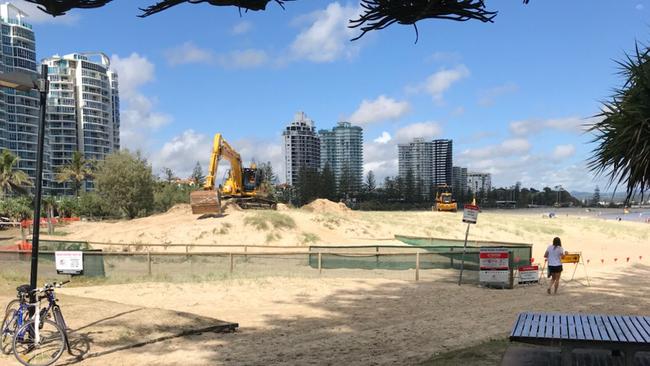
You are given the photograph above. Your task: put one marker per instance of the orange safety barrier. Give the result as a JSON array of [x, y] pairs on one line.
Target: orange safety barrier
[[28, 223]]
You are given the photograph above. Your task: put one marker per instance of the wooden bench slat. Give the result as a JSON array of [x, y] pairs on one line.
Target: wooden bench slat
[[629, 334], [640, 328], [610, 331], [548, 332], [534, 325], [527, 324], [580, 334], [586, 327], [645, 322], [564, 327], [519, 324], [541, 328], [638, 335], [556, 326], [596, 329], [613, 322], [572, 327]]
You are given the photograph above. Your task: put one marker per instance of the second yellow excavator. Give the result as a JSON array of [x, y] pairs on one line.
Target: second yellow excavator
[[242, 186]]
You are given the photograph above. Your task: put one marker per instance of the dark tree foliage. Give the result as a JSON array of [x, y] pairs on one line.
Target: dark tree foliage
[[377, 14], [327, 183], [623, 135]]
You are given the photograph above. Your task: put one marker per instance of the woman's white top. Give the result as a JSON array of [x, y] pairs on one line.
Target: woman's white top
[[554, 255]]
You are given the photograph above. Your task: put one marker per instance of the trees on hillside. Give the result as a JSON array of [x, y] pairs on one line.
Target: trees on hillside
[[76, 172], [12, 179]]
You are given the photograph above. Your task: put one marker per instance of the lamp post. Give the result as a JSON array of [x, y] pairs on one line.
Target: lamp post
[[26, 82]]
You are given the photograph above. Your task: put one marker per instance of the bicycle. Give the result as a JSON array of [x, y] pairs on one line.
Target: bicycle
[[44, 344], [16, 314]]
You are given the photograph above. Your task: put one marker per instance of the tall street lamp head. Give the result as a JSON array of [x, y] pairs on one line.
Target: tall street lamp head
[[18, 80]]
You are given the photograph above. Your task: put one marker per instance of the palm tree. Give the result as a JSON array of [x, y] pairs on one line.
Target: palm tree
[[11, 178], [75, 172], [623, 135]]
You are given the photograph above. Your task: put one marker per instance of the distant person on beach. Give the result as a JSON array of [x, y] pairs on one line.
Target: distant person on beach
[[554, 254]]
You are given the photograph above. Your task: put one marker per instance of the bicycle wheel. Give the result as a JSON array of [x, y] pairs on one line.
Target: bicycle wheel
[[46, 351], [8, 329], [13, 304]]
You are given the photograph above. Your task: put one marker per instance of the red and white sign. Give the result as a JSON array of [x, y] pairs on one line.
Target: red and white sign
[[69, 262], [497, 260], [470, 214], [494, 266], [528, 274]]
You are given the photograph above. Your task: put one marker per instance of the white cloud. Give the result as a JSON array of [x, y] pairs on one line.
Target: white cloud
[[37, 16], [426, 130], [516, 146], [188, 53], [443, 56], [242, 27], [488, 97], [442, 80], [381, 158], [243, 59], [138, 115], [327, 38], [639, 7], [567, 124], [563, 151], [378, 110], [384, 138]]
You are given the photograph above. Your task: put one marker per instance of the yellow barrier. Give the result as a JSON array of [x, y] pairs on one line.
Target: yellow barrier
[[571, 258]]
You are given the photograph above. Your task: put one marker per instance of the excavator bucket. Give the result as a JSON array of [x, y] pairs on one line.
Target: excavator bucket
[[205, 202]]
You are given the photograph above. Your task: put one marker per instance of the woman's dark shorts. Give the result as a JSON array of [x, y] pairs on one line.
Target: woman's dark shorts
[[554, 269]]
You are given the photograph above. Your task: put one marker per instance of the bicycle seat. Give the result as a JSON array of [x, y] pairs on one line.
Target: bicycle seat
[[24, 289]]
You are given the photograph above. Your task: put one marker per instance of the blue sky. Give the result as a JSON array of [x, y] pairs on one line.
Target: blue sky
[[512, 95]]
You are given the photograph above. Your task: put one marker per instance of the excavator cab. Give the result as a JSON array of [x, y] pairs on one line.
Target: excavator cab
[[251, 179]]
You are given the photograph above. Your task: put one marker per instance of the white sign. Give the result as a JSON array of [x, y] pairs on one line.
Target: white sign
[[494, 277], [470, 214], [528, 274], [69, 262], [494, 266]]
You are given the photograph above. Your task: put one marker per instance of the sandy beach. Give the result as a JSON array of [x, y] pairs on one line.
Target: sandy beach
[[364, 317]]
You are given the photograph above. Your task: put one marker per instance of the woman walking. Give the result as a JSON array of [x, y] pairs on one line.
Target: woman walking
[[554, 256]]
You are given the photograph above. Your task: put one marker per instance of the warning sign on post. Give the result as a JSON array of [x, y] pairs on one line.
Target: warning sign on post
[[494, 267], [69, 262], [470, 214], [528, 274]]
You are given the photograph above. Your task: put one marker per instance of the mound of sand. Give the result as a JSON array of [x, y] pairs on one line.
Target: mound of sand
[[326, 206], [180, 208], [282, 207]]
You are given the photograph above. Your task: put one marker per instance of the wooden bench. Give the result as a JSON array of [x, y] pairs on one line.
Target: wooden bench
[[626, 334]]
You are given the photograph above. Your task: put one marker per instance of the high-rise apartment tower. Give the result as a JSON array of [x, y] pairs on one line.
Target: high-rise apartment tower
[[19, 111], [83, 109], [429, 161], [342, 149], [301, 147]]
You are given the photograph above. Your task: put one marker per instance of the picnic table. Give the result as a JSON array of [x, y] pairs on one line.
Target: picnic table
[[618, 333]]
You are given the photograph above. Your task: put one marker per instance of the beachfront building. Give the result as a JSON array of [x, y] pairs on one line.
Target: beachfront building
[[459, 180], [342, 149], [83, 110], [20, 111], [301, 147], [479, 182], [429, 161]]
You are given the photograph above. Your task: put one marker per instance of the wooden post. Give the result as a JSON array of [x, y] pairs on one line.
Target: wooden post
[[245, 255], [417, 266], [377, 256], [452, 257], [320, 263], [149, 262], [232, 263], [187, 252]]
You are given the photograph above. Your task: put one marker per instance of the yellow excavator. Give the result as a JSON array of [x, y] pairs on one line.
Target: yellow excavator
[[444, 199], [242, 186]]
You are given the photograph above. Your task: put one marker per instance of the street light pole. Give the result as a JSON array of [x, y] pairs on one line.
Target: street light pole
[[42, 84]]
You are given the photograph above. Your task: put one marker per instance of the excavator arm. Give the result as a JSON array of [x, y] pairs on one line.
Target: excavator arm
[[221, 148]]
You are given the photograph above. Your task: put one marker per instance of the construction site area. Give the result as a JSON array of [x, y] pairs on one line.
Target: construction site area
[[319, 284]]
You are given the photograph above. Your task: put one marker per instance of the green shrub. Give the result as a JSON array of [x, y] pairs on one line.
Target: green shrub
[[265, 220]]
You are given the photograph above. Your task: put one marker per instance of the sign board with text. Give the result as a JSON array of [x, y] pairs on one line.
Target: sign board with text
[[529, 274], [69, 262], [494, 267], [571, 258], [470, 214]]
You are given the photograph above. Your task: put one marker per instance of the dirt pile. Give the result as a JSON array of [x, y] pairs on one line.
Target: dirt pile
[[326, 206]]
